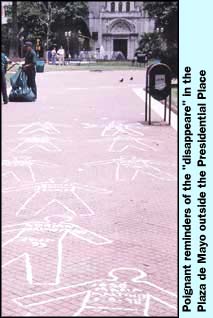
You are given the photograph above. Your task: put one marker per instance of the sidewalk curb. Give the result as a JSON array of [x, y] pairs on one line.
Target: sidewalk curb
[[157, 107]]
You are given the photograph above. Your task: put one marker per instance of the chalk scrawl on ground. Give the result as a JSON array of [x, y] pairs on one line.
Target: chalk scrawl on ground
[[40, 243], [26, 162], [44, 193], [138, 166], [115, 128], [124, 292], [41, 127], [123, 136], [123, 143], [44, 143]]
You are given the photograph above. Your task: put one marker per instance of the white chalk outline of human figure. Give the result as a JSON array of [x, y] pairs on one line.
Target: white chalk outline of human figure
[[24, 233], [24, 161], [122, 137], [44, 127], [115, 128], [43, 142], [50, 187], [108, 294], [148, 167]]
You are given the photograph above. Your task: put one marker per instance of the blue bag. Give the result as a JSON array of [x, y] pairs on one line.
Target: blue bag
[[15, 80], [20, 91]]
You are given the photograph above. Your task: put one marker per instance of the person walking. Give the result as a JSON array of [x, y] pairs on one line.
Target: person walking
[[61, 55], [29, 67], [4, 62], [49, 57], [53, 53]]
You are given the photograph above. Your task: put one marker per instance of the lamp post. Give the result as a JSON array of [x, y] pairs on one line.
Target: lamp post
[[22, 45], [79, 41], [68, 35], [160, 30]]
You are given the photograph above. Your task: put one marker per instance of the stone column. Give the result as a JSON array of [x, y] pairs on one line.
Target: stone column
[[100, 30], [108, 5], [108, 46], [129, 47], [132, 47], [132, 5], [111, 44]]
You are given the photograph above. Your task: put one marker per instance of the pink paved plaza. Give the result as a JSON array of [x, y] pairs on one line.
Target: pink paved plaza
[[89, 201]]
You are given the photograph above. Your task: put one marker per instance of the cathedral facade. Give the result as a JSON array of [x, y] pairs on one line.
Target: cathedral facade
[[118, 25]]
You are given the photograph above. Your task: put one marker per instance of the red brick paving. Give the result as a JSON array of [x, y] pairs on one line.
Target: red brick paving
[[89, 221]]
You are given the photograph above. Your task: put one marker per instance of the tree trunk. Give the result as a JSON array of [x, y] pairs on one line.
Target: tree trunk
[[49, 12], [14, 40]]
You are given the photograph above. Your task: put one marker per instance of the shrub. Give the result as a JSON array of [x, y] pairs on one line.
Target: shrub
[[170, 57]]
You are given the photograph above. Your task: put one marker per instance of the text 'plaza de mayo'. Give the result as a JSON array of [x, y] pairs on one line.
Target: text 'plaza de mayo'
[[118, 25]]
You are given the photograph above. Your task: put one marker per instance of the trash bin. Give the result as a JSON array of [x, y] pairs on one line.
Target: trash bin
[[142, 58], [40, 66]]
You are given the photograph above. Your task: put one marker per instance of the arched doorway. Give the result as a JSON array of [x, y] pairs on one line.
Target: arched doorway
[[122, 37], [120, 45]]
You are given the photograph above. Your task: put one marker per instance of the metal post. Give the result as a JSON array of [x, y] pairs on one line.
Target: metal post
[[170, 106], [149, 109], [165, 104], [68, 35], [146, 95], [79, 43], [22, 46], [68, 45]]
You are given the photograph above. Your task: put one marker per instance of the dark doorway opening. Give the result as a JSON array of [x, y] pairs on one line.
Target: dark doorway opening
[[120, 45]]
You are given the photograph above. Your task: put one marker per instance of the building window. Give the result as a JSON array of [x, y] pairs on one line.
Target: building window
[[127, 6], [120, 5], [95, 36], [112, 6]]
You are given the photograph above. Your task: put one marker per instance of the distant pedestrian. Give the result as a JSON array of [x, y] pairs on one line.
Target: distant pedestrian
[[53, 53], [29, 67], [4, 63], [61, 54], [135, 58], [49, 56]]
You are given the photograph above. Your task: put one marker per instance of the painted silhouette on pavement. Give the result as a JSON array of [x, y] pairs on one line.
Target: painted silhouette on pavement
[[41, 245], [124, 292]]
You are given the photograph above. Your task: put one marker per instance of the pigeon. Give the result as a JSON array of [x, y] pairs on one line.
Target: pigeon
[[131, 78], [121, 80]]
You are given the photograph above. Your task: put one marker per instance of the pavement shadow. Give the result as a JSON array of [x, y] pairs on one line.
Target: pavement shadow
[[154, 123]]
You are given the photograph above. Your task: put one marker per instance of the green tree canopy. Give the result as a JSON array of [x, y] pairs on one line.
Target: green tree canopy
[[49, 20], [166, 19]]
